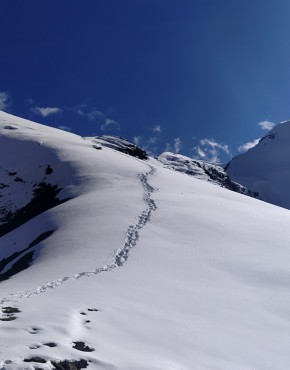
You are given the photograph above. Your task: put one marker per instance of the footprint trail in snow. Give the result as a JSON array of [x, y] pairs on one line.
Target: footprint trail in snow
[[122, 254]]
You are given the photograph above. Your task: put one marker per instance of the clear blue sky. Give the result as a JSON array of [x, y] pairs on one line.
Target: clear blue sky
[[197, 75]]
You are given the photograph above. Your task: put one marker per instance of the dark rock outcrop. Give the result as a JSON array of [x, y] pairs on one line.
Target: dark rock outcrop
[[122, 145], [70, 365]]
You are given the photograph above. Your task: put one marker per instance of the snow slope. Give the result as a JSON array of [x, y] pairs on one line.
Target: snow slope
[[265, 167], [147, 269]]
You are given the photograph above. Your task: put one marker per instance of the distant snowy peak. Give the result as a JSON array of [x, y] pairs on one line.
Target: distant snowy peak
[[265, 168], [119, 144], [202, 170]]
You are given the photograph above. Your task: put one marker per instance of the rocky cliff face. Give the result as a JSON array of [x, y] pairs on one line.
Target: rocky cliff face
[[31, 181], [121, 145]]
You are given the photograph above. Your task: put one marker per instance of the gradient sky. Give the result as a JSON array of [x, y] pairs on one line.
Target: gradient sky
[[195, 76]]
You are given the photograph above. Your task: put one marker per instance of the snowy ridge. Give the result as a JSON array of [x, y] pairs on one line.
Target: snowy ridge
[[204, 171]]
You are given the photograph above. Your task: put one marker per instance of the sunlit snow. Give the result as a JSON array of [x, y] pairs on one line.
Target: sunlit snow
[[149, 268]]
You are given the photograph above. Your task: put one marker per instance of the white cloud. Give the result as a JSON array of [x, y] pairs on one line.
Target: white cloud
[[110, 125], [64, 128], [200, 152], [266, 125], [211, 143], [210, 150], [45, 111], [247, 146], [157, 128], [5, 100]]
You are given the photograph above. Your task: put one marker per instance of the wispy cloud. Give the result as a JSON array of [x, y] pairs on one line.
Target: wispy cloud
[[247, 146], [266, 125], [110, 125], [210, 150], [79, 109], [175, 147], [45, 111], [91, 113], [150, 145], [137, 140], [201, 153], [211, 143], [152, 140], [5, 100], [95, 114], [65, 128], [157, 128]]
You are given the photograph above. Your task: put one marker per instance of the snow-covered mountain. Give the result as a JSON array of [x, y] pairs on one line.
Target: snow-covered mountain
[[202, 170], [109, 261], [265, 168]]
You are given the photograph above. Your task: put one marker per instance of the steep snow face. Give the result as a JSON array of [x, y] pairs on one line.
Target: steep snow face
[[202, 170], [266, 167]]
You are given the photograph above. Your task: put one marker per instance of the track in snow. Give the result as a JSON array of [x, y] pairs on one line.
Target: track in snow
[[122, 254]]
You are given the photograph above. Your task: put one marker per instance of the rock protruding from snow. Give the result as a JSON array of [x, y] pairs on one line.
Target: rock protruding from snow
[[202, 170], [122, 145], [265, 168]]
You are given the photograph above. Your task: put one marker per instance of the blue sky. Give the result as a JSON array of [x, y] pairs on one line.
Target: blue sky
[[194, 76]]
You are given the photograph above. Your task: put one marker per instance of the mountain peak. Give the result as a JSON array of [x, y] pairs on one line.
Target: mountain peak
[[265, 167]]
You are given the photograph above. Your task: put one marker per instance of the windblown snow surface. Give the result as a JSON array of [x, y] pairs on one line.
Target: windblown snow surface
[[146, 268]]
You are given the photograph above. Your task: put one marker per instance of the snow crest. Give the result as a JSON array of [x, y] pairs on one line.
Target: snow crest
[[122, 254]]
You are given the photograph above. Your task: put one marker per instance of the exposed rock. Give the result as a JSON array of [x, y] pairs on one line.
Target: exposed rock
[[10, 310], [48, 170], [24, 261], [44, 198], [70, 365], [38, 359], [10, 128], [50, 344], [8, 318], [18, 179], [120, 144], [81, 346]]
